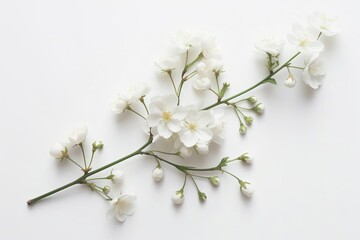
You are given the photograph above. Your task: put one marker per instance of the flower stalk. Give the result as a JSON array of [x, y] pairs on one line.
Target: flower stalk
[[82, 179]]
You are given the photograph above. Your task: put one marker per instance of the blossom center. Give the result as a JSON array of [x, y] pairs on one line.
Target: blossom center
[[192, 126], [304, 42], [166, 116]]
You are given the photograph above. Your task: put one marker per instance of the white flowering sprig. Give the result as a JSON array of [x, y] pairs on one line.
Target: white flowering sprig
[[189, 130]]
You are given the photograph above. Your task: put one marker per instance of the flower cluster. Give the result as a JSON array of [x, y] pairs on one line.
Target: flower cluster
[[306, 40], [176, 131]]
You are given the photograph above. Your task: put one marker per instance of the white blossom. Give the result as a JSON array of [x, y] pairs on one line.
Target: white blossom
[[158, 174], [304, 40], [119, 104], [247, 190], [123, 206], [209, 48], [167, 64], [217, 126], [58, 151], [215, 65], [78, 135], [131, 95], [312, 74], [290, 82], [117, 176], [271, 45], [324, 23], [178, 198], [184, 40], [196, 128], [202, 84], [165, 115]]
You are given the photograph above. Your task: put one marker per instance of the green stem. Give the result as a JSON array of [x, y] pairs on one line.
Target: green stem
[[173, 83], [131, 110], [265, 80], [74, 162], [92, 157], [83, 154], [82, 179]]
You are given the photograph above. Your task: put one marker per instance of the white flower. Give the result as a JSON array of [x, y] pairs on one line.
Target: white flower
[[165, 115], [304, 40], [271, 45], [209, 48], [196, 128], [201, 70], [117, 176], [247, 190], [178, 198], [217, 126], [132, 94], [202, 148], [312, 74], [215, 65], [135, 91], [290, 82], [119, 104], [78, 135], [123, 206], [326, 24], [167, 64], [202, 84], [184, 40], [58, 151], [158, 174]]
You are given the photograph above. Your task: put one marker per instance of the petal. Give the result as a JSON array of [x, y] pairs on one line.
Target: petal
[[316, 46], [174, 125], [153, 119], [204, 134], [189, 138], [120, 217], [164, 130]]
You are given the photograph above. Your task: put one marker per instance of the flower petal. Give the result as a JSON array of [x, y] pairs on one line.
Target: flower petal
[[189, 138]]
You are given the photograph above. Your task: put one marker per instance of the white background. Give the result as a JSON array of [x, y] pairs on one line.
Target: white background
[[61, 62]]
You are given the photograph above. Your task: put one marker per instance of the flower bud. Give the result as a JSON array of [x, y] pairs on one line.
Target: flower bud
[[202, 196], [117, 177], [246, 158], [106, 189], [202, 148], [246, 189], [290, 82], [259, 108], [158, 174], [215, 180], [97, 145], [178, 197], [252, 99], [248, 120], [243, 128], [58, 151]]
